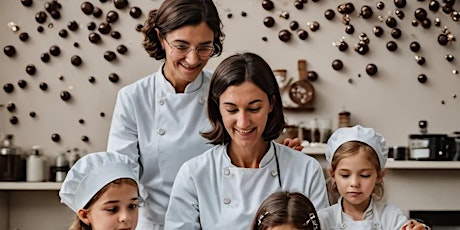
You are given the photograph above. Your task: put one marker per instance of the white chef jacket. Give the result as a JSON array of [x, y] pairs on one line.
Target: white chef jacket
[[159, 128], [378, 215], [212, 193]]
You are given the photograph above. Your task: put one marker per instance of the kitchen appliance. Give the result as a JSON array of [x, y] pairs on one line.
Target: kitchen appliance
[[12, 162], [425, 146]]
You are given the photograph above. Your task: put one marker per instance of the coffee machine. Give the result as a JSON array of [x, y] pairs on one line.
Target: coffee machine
[[432, 147]]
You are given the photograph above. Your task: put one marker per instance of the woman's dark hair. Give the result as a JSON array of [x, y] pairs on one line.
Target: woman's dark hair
[[286, 208], [174, 14], [234, 70]]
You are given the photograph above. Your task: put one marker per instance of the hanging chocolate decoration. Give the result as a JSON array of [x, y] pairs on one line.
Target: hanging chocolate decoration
[[63, 33], [426, 23], [91, 79], [135, 12], [110, 55], [284, 14], [61, 77], [8, 87], [55, 51], [342, 45], [102, 114], [414, 23], [433, 5], [85, 138], [113, 77], [349, 29], [87, 8], [94, 37], [139, 27], [268, 5], [244, 14], [40, 29], [72, 26], [455, 16], [442, 39], [76, 45], [43, 86], [378, 31], [396, 33], [14, 120], [30, 69], [9, 50], [81, 121], [97, 12], [437, 22], [420, 60], [329, 14], [22, 84], [23, 36], [420, 14], [75, 60], [65, 96], [362, 48], [26, 2], [346, 8], [399, 13], [91, 26], [392, 46], [55, 137], [294, 25], [312, 75], [10, 106], [422, 78], [269, 21], [45, 57], [120, 4], [446, 9], [230, 15], [414, 46], [55, 14], [104, 28], [40, 17], [302, 34], [115, 34], [391, 22], [400, 3], [449, 57], [32, 114], [266, 39], [371, 69], [298, 4], [380, 5], [121, 49], [337, 64], [112, 16], [366, 12], [284, 35], [314, 26]]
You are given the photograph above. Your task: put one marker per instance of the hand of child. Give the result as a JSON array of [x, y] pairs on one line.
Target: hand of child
[[414, 225], [293, 143]]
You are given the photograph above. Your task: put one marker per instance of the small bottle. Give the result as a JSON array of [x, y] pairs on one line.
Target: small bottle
[[344, 119], [62, 166], [35, 166]]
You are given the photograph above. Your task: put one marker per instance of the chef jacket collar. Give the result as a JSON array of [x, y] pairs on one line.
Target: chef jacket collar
[[367, 213], [266, 159], [190, 88]]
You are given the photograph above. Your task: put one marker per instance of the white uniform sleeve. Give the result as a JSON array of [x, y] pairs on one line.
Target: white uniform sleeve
[[183, 210], [318, 191], [123, 135]]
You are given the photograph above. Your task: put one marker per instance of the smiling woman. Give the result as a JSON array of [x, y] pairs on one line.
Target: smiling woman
[[223, 187]]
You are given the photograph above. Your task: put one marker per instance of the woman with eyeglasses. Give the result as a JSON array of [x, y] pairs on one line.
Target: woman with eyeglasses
[[157, 120], [223, 187]]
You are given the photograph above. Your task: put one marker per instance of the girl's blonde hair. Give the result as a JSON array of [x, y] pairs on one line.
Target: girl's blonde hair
[[349, 149], [78, 224]]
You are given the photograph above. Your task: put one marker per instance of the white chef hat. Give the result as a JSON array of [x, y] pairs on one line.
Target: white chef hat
[[361, 134], [94, 171]]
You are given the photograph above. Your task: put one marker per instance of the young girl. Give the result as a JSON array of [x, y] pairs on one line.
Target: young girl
[[288, 211], [357, 157], [103, 190]]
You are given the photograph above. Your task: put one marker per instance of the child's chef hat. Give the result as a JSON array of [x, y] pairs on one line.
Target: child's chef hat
[[361, 134], [94, 171]]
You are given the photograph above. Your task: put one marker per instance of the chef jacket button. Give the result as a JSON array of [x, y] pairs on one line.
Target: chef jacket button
[[227, 201], [274, 173], [202, 100], [161, 101], [161, 131], [376, 225], [226, 172], [343, 226]]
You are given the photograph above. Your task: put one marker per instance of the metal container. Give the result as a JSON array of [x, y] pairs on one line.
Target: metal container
[[12, 162]]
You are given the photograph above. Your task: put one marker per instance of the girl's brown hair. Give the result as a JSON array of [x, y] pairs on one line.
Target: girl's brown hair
[[349, 149], [78, 224]]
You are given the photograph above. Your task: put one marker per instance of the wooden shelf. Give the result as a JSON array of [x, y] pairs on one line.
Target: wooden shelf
[[30, 185]]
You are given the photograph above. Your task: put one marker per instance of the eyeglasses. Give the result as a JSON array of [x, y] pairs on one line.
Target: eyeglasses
[[182, 50]]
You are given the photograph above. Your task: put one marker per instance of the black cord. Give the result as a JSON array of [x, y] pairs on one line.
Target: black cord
[[277, 165]]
